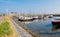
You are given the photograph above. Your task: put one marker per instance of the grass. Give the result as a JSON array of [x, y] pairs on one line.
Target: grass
[[5, 28]]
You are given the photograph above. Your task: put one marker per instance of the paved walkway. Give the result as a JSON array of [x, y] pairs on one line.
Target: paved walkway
[[21, 31]]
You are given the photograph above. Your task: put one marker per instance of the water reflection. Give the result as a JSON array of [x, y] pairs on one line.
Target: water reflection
[[55, 27]]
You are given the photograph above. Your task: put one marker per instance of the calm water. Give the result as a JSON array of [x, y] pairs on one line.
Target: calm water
[[44, 27]]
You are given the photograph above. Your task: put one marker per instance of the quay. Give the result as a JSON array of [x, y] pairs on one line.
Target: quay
[[24, 31], [15, 18]]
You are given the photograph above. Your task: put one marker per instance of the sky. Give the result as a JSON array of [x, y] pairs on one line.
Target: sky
[[30, 6]]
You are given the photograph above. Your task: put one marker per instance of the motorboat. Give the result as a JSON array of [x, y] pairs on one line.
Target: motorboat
[[56, 21], [26, 19]]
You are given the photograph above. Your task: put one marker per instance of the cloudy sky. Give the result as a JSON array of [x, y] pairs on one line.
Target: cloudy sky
[[30, 6]]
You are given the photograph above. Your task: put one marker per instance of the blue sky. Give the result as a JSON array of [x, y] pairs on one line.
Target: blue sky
[[30, 6]]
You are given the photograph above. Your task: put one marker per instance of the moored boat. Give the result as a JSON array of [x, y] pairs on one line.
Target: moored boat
[[56, 21]]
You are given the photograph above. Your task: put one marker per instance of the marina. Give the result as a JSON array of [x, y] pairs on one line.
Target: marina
[[40, 26], [44, 28], [29, 18]]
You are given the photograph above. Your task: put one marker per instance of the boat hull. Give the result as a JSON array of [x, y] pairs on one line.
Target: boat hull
[[26, 19], [56, 23]]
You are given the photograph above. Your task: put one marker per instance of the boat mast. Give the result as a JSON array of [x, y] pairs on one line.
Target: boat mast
[[7, 11]]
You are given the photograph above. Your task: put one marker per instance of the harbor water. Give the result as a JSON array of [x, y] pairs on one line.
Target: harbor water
[[43, 28]]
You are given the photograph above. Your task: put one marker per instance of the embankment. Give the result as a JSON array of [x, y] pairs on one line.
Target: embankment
[[20, 24]]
